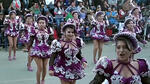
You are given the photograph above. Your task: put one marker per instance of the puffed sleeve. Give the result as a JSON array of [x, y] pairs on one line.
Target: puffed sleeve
[[33, 32], [80, 42], [144, 68], [103, 67], [103, 70], [55, 46]]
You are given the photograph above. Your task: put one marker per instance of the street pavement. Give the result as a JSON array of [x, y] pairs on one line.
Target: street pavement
[[15, 72]]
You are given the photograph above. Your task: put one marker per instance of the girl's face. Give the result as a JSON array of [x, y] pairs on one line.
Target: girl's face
[[42, 24], [29, 20], [75, 15], [100, 18], [73, 3], [123, 53], [109, 9], [58, 4], [69, 33], [130, 25], [13, 16], [136, 11], [99, 9]]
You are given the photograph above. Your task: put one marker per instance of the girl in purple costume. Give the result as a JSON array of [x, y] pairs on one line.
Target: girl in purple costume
[[12, 32], [137, 18], [124, 69], [40, 47], [130, 28], [66, 61], [78, 22], [25, 36], [98, 34]]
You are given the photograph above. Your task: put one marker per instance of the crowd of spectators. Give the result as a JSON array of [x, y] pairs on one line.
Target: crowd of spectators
[[59, 11]]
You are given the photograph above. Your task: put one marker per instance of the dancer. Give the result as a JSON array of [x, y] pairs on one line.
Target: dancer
[[40, 47], [78, 22], [66, 61], [98, 34], [12, 32], [28, 27], [123, 69], [131, 28], [137, 18]]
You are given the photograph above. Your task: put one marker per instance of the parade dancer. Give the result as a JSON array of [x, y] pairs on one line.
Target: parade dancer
[[98, 34], [78, 23], [12, 32], [40, 47], [131, 28], [27, 29], [123, 69], [66, 61], [137, 18]]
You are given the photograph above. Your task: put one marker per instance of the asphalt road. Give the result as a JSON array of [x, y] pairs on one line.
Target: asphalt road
[[15, 72]]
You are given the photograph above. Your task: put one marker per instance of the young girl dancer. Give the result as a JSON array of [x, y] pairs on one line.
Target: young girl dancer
[[78, 22], [40, 50], [12, 32], [66, 61], [98, 35], [25, 36]]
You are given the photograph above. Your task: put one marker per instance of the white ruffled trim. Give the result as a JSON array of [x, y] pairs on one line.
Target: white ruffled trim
[[55, 46], [82, 42], [103, 61]]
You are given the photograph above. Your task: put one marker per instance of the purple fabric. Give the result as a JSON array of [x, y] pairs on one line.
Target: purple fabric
[[98, 33], [27, 32], [12, 29], [40, 47], [51, 68], [143, 68], [67, 66], [83, 60]]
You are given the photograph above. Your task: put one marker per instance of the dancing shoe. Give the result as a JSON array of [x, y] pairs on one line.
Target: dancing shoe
[[95, 61], [42, 81], [9, 58], [29, 68], [14, 58]]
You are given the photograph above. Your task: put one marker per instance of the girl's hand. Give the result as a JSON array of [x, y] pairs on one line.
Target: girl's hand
[[51, 73], [84, 64]]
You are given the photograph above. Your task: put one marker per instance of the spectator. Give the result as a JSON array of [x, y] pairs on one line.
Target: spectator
[[16, 5], [112, 2], [59, 14], [5, 5], [72, 7], [128, 5], [35, 9], [83, 13], [105, 6]]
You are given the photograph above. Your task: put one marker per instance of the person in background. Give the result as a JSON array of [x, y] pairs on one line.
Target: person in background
[[39, 46], [12, 32], [72, 7], [59, 14], [98, 34], [27, 29]]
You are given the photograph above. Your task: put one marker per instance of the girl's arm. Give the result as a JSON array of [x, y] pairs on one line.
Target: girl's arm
[[79, 56], [31, 42], [51, 61], [50, 39], [145, 80]]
